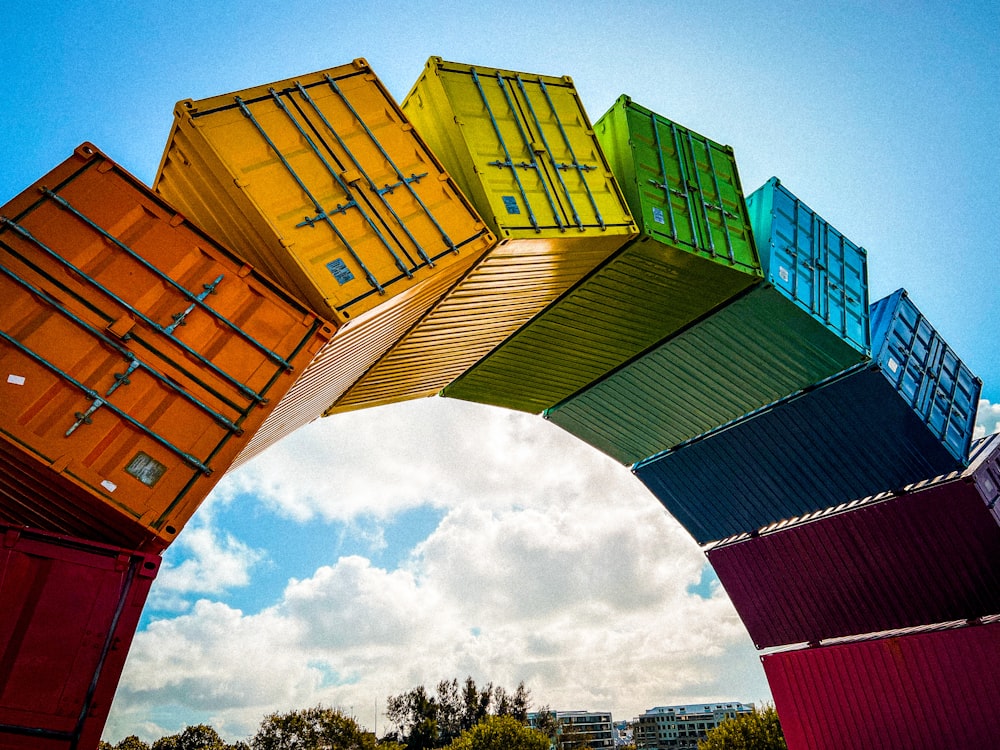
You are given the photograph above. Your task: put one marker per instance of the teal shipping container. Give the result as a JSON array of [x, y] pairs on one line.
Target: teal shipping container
[[695, 252], [906, 417], [806, 323]]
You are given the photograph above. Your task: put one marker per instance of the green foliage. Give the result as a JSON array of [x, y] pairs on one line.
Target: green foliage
[[759, 730], [500, 733], [312, 729], [130, 743], [200, 737], [425, 721]]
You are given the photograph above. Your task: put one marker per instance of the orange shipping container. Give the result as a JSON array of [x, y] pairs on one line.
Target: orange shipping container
[[138, 356]]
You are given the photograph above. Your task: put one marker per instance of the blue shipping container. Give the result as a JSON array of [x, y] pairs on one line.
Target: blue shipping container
[[906, 417]]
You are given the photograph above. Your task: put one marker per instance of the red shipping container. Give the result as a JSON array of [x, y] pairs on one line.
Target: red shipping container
[[922, 690], [68, 611], [137, 357], [928, 554]]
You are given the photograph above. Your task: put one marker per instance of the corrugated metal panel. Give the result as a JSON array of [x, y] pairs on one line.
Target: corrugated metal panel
[[695, 252], [807, 323], [923, 691], [70, 608], [139, 356], [526, 155], [854, 436], [322, 181], [352, 351], [928, 554]]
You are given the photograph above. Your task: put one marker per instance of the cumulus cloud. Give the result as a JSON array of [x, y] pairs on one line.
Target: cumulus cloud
[[987, 419], [551, 565]]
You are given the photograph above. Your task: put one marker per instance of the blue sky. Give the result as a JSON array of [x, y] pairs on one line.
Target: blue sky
[[378, 550]]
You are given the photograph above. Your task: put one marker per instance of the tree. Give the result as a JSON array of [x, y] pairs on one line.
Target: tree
[[130, 743], [547, 723], [500, 733], [199, 737], [316, 728], [424, 721], [758, 730]]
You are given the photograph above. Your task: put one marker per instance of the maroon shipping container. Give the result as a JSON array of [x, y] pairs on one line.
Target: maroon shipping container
[[68, 611], [924, 690], [928, 554]]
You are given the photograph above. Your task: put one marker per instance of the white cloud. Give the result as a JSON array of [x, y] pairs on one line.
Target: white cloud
[[551, 565], [208, 562], [987, 419]]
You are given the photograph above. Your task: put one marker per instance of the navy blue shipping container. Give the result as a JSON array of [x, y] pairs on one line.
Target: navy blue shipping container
[[906, 417]]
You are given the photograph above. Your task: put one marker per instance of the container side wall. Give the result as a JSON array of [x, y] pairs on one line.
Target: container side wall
[[507, 289], [322, 181], [895, 562], [925, 691], [73, 608], [750, 353], [848, 439]]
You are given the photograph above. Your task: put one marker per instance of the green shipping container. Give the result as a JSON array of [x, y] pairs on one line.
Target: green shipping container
[[695, 253], [808, 322]]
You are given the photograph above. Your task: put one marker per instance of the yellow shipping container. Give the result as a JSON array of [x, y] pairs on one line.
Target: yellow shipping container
[[523, 150], [321, 181]]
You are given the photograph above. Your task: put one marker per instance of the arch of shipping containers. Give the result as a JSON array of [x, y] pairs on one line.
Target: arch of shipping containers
[[309, 246]]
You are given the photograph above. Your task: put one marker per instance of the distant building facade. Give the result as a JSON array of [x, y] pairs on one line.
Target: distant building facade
[[581, 729], [680, 727]]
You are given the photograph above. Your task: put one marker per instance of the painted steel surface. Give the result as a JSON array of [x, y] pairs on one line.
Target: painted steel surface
[[808, 322], [930, 690], [354, 349], [522, 149], [927, 554], [868, 430], [70, 608], [695, 252], [138, 356], [322, 181], [526, 156]]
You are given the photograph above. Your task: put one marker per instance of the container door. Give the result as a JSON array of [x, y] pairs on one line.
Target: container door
[[534, 148], [690, 187], [928, 374], [816, 267]]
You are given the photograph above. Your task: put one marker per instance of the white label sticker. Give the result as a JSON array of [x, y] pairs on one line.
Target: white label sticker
[[658, 215], [16, 379], [109, 485], [783, 273], [892, 364]]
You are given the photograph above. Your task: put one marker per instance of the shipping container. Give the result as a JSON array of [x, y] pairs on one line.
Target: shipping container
[[922, 690], [926, 554], [906, 417], [138, 356], [70, 609], [807, 322], [321, 181], [522, 148], [695, 252]]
